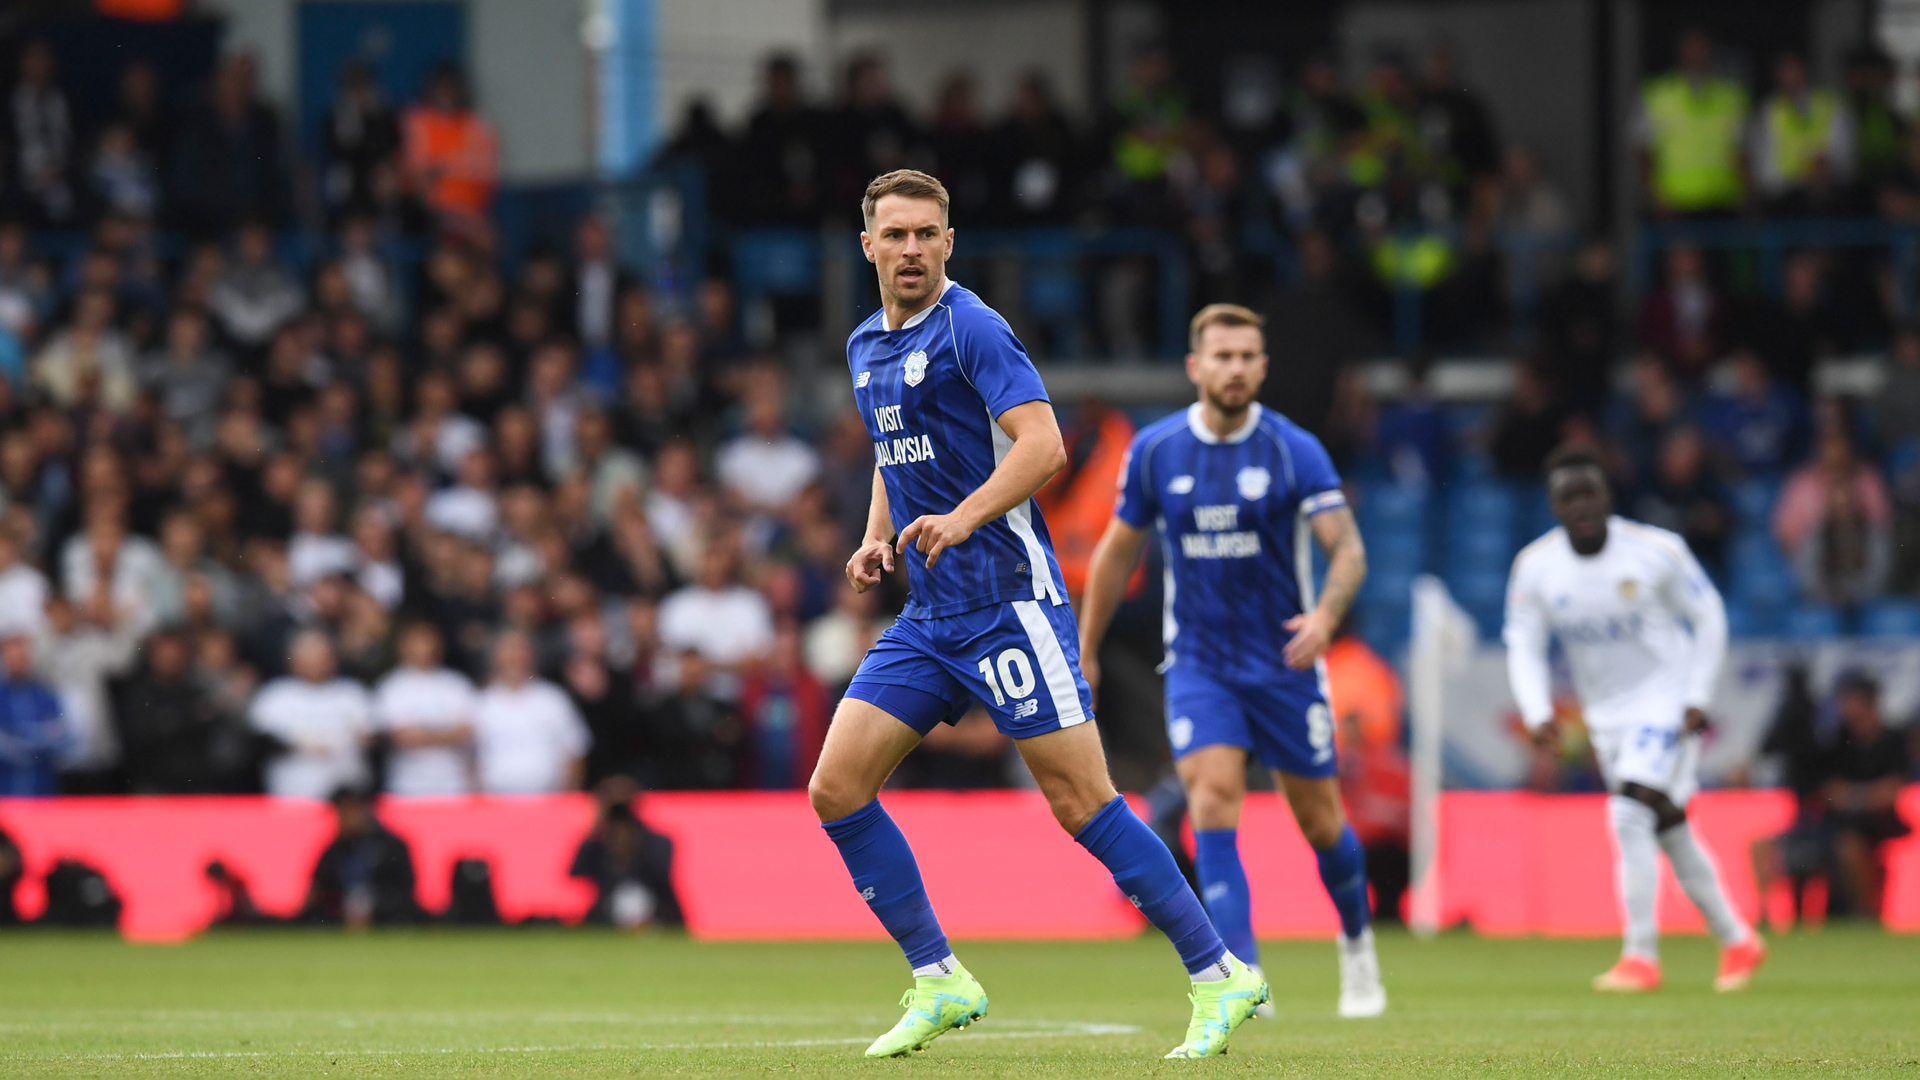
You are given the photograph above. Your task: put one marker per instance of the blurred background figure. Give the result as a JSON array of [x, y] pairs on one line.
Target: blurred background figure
[[315, 724], [365, 876], [528, 739], [629, 865]]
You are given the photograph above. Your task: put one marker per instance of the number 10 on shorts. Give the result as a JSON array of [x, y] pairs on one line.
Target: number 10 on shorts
[[1015, 675]]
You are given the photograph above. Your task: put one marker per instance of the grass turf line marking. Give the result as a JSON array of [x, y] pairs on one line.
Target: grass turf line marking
[[1046, 1032]]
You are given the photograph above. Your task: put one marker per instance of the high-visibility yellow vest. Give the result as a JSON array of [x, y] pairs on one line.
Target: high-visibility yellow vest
[[1795, 137], [1696, 141], [1420, 261]]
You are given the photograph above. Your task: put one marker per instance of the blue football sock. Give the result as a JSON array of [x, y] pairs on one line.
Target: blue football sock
[[888, 879], [1223, 884], [1343, 870], [1145, 871]]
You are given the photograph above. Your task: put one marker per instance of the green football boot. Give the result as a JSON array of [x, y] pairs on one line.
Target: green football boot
[[935, 1006], [1220, 1007]]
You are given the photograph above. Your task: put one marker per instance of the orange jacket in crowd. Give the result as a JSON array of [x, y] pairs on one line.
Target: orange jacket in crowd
[[1375, 777], [453, 160], [1078, 502]]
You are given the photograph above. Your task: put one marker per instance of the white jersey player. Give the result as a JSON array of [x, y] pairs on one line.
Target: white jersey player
[[1644, 634]]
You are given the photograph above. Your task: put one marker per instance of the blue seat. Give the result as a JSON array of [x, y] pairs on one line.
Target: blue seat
[[1383, 623], [1753, 501], [1755, 552], [1395, 549], [1764, 586], [1479, 549], [1485, 504], [1484, 596], [1388, 586], [1891, 618], [1813, 622], [1746, 620], [1386, 506], [777, 262]]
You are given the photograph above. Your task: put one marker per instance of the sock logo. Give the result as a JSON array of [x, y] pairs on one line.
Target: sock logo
[[945, 969], [1226, 969], [867, 894], [1135, 899]]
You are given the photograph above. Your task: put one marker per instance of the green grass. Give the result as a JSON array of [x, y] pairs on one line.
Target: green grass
[[576, 1004]]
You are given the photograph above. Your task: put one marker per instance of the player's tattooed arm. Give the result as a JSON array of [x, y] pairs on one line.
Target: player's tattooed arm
[[875, 556], [1036, 455], [1339, 536]]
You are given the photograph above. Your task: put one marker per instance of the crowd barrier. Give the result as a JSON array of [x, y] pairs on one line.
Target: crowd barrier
[[756, 865]]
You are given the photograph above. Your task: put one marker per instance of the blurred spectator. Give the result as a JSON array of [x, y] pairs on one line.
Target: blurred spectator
[[361, 134], [142, 110], [767, 466], [1801, 145], [1413, 435], [1536, 212], [1689, 135], [227, 161], [316, 724], [1375, 778], [426, 712], [1682, 497], [365, 875], [631, 870], [253, 295], [729, 624], [23, 588], [786, 711], [1038, 160], [121, 178], [1683, 319], [41, 136], [1896, 408], [1802, 328], [90, 362], [174, 739], [1846, 553], [608, 700], [85, 646], [868, 134], [613, 473], [1879, 131], [1759, 425], [1579, 329], [701, 737], [1866, 771], [1640, 421], [469, 509], [33, 730], [598, 282], [1807, 501], [1530, 425], [452, 154], [189, 377], [964, 156], [1078, 502], [317, 549], [528, 739], [780, 156], [1315, 317], [1455, 123]]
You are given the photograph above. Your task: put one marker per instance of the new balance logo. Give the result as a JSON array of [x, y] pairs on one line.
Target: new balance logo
[[867, 894], [1135, 900], [1030, 707], [861, 380]]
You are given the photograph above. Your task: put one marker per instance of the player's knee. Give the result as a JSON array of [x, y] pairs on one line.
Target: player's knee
[[832, 799], [1665, 813], [1074, 807], [1322, 826], [1214, 804]]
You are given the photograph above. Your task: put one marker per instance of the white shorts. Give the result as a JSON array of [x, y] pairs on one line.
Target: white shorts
[[1659, 756]]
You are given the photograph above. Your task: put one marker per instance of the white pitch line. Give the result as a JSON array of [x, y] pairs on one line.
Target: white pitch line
[[1051, 1032]]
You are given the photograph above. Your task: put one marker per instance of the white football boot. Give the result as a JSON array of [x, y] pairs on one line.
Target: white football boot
[[1361, 992]]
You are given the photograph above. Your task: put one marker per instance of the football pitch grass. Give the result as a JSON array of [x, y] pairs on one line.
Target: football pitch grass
[[551, 1003]]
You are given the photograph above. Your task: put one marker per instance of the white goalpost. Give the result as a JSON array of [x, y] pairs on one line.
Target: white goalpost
[[1443, 638]]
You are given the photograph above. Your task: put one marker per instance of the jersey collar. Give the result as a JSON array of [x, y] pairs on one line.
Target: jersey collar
[[920, 316], [1205, 434]]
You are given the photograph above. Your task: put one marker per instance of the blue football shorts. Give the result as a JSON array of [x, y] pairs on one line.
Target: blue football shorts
[[1019, 659], [1285, 723]]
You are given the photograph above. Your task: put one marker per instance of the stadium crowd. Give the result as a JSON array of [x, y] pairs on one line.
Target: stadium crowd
[[274, 526]]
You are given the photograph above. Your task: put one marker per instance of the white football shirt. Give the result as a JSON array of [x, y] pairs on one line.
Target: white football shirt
[[323, 723], [1643, 629], [525, 736], [436, 700]]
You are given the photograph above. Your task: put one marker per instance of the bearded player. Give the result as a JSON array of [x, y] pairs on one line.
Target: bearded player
[[1234, 491], [1644, 635], [963, 436]]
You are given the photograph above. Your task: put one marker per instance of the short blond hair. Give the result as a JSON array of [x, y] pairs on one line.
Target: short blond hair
[[1222, 315], [906, 183]]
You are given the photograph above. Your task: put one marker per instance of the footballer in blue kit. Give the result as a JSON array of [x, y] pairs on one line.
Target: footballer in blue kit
[[963, 435], [1237, 493]]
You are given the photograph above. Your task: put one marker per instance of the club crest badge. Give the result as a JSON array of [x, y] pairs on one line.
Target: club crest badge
[[1629, 588], [916, 368], [1180, 485], [1253, 482]]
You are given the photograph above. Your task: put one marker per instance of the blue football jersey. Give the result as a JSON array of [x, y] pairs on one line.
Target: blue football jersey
[[1232, 515], [929, 393]]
